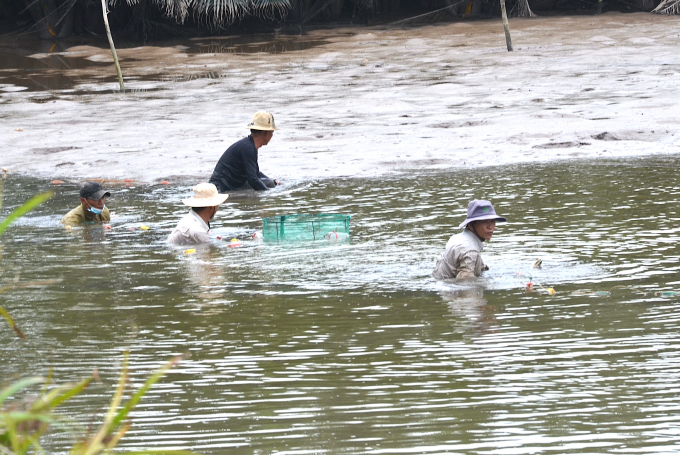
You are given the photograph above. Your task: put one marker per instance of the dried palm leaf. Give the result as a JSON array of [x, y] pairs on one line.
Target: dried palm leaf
[[219, 12], [668, 7], [522, 9]]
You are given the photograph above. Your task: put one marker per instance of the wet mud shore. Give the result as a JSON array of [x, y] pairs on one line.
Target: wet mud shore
[[350, 102]]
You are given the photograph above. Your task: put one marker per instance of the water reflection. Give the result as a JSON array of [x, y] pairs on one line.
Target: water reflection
[[62, 66], [470, 310], [352, 347], [41, 66], [206, 276]]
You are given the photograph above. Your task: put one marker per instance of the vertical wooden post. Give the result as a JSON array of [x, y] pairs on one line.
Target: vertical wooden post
[[113, 48], [506, 26]]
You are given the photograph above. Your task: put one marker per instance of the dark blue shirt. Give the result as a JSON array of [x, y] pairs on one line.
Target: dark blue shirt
[[237, 166]]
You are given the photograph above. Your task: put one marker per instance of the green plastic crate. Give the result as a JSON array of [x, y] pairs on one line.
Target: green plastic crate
[[306, 227]]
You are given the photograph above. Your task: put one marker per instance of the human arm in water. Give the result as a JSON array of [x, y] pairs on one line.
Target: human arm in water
[[470, 265], [267, 180]]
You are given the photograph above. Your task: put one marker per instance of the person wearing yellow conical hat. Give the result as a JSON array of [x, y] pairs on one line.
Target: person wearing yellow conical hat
[[237, 169], [194, 227]]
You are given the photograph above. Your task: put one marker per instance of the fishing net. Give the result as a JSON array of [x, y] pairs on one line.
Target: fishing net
[[319, 226]]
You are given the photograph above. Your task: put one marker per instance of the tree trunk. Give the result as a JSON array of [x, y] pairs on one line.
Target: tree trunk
[[506, 26], [113, 48]]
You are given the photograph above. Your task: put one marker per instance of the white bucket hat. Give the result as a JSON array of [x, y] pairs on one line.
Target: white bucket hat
[[205, 195], [262, 121]]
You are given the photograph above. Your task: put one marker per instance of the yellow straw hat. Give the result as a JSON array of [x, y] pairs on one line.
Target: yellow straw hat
[[263, 121], [205, 195]]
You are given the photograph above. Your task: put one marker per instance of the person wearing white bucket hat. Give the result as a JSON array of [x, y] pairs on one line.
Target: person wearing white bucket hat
[[461, 258], [194, 227], [237, 169]]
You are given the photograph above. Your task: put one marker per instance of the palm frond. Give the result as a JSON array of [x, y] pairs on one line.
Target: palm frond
[[178, 9], [270, 9], [522, 9], [668, 7], [218, 13]]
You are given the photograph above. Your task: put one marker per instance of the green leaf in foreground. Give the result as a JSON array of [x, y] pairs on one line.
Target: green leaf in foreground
[[11, 322], [15, 387], [4, 224], [24, 209]]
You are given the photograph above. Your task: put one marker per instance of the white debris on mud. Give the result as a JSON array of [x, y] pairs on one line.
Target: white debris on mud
[[367, 103]]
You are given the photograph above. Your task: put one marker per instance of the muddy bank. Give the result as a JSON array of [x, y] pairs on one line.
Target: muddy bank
[[353, 102]]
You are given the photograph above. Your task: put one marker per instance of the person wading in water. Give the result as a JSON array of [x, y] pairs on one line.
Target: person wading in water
[[461, 258], [237, 169], [194, 227], [92, 208]]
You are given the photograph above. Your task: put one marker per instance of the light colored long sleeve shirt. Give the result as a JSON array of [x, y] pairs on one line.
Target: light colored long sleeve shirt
[[191, 229], [461, 257]]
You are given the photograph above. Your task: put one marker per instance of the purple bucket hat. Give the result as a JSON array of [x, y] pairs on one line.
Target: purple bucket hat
[[480, 210]]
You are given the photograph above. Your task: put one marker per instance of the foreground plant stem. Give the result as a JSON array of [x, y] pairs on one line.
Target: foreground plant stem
[[113, 48]]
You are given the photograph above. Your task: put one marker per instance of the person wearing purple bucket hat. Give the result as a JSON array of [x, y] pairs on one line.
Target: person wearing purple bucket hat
[[461, 258]]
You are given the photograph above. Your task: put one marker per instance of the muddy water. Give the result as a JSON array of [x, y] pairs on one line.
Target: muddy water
[[351, 102], [352, 347], [39, 66]]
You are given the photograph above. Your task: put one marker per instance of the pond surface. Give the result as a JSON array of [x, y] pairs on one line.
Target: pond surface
[[352, 347], [352, 102]]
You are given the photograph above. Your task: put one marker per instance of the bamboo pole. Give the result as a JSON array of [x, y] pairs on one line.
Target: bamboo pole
[[506, 26], [113, 48]]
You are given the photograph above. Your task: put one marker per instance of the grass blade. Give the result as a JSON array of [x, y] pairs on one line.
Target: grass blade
[[57, 396], [25, 208], [14, 388], [132, 402], [11, 323]]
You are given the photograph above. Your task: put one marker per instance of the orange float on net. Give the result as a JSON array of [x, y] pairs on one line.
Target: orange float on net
[[165, 182], [56, 182]]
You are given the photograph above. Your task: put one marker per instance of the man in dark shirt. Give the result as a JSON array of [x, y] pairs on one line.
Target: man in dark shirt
[[237, 169]]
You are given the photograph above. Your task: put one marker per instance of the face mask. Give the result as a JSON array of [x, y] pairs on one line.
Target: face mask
[[95, 210]]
